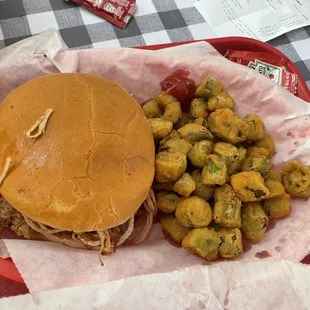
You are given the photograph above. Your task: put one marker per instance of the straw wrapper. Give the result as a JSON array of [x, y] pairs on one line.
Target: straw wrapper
[[47, 266]]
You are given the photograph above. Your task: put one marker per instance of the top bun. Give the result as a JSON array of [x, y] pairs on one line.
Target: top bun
[[94, 165]]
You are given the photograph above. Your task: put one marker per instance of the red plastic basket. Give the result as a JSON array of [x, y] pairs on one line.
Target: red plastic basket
[[7, 267]]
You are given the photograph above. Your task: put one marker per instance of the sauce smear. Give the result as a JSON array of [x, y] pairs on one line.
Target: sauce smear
[[262, 254]]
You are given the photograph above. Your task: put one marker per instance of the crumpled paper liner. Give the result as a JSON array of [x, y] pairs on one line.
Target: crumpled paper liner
[[50, 266], [227, 286]]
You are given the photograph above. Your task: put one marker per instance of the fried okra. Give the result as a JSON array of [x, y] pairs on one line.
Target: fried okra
[[227, 125], [242, 155], [266, 142], [194, 212], [169, 166], [167, 202], [171, 225], [198, 108], [256, 127], [275, 175], [203, 191], [233, 157], [209, 87], [194, 133], [275, 188], [204, 242], [164, 99], [214, 171], [171, 107], [254, 221], [231, 243], [160, 127], [184, 119], [256, 163], [201, 121], [255, 150], [221, 101], [278, 207], [172, 112], [151, 109], [198, 155], [249, 186], [296, 179], [185, 185], [229, 154], [174, 143], [227, 207]]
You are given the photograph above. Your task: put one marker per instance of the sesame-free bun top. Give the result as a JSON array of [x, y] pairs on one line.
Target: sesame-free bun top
[[94, 165]]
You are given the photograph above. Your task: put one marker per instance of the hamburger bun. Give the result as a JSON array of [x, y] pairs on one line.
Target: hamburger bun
[[94, 165]]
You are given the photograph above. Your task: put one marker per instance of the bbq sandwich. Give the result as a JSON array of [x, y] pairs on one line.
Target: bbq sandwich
[[76, 163]]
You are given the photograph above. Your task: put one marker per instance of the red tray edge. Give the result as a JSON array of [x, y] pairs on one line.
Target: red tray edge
[[7, 267]]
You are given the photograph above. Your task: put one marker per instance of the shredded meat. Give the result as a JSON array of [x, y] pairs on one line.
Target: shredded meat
[[105, 241], [7, 213], [151, 210], [128, 232]]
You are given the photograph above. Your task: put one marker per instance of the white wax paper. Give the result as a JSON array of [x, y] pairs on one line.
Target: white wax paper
[[282, 285], [50, 266]]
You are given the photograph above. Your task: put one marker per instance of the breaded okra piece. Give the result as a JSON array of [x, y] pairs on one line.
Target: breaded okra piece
[[229, 154], [256, 127], [167, 202], [214, 171], [204, 242], [275, 188], [174, 143], [227, 207], [171, 225], [209, 87], [254, 221], [194, 133], [228, 126], [268, 143], [160, 127], [273, 174], [169, 166], [185, 185], [203, 191], [194, 212], [200, 152], [256, 163], [231, 243], [198, 108], [278, 207], [249, 186], [296, 179]]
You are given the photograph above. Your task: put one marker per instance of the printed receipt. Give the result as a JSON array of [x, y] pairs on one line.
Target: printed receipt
[[259, 19]]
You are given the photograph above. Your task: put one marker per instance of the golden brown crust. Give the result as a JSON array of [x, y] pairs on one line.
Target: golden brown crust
[[94, 165]]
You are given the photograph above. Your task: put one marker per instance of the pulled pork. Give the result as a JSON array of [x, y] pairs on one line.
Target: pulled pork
[[105, 241]]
